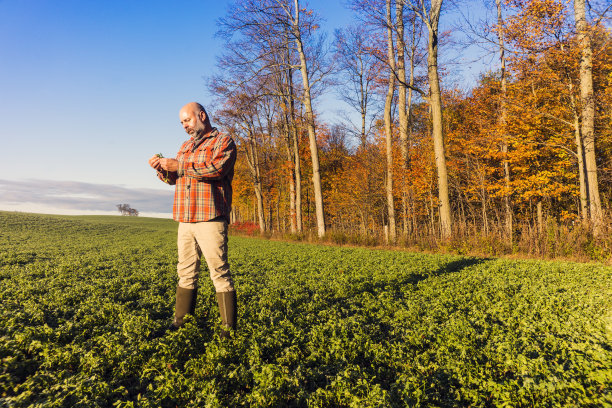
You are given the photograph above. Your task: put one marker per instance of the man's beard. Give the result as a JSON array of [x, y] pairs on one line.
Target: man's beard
[[198, 132]]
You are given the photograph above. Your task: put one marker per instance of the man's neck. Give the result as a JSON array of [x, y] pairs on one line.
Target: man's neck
[[204, 133]]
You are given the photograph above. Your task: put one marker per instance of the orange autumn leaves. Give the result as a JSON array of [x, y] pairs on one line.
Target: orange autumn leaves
[[543, 107]]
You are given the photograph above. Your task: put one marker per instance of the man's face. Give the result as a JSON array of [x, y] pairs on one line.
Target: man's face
[[192, 122]]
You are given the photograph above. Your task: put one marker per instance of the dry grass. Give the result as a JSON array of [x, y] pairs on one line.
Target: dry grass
[[560, 241]]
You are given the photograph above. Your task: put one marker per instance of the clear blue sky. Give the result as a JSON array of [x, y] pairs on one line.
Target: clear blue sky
[[89, 90]]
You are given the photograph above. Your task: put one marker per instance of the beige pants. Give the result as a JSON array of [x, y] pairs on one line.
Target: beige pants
[[203, 238]]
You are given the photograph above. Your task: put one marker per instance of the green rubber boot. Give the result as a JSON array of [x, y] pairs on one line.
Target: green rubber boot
[[185, 304], [228, 310]]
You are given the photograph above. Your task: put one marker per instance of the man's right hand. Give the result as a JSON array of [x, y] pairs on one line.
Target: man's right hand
[[155, 163]]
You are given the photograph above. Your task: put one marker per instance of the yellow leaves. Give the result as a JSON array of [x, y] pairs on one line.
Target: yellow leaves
[[567, 216], [537, 24]]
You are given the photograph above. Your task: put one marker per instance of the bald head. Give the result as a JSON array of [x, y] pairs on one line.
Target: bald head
[[194, 119], [193, 107]]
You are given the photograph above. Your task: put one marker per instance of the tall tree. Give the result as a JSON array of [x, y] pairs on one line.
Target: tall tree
[[405, 103], [239, 118], [545, 57], [267, 30], [285, 92], [389, 125], [587, 101], [297, 29], [431, 18], [503, 117]]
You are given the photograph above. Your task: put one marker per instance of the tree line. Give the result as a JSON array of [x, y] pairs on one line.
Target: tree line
[[416, 154]]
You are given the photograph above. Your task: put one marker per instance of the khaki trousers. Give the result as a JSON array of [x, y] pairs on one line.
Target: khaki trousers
[[207, 238]]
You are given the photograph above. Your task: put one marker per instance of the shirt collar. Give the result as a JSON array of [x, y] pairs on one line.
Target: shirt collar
[[196, 142]]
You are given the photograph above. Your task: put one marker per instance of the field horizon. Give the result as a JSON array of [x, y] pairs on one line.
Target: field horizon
[[315, 241]]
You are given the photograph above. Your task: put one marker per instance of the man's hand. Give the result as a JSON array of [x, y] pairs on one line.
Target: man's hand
[[169, 164], [155, 163]]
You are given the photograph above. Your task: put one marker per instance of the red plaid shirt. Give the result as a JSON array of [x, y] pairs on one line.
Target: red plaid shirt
[[203, 179]]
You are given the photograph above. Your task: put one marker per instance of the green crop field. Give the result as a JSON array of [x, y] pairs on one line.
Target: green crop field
[[84, 298]]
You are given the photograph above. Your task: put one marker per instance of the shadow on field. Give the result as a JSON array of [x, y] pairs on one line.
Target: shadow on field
[[458, 265], [451, 267], [398, 284]]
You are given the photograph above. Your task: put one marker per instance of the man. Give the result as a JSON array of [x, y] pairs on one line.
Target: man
[[202, 172]]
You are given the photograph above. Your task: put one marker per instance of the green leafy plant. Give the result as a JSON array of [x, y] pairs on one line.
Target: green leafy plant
[[318, 325], [164, 172]]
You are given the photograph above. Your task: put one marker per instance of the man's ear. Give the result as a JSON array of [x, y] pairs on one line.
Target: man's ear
[[203, 116]]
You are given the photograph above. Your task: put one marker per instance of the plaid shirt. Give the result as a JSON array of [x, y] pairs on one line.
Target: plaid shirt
[[203, 179]]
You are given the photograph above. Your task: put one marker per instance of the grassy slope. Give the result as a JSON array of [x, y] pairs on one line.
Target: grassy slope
[[82, 299]]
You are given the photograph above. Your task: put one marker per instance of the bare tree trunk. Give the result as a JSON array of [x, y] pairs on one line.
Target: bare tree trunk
[[485, 217], [278, 215], [363, 129], [406, 163], [587, 102], [540, 217], [388, 126], [584, 197], [253, 161], [296, 155], [413, 206], [260, 205], [401, 74], [584, 191], [293, 141], [432, 218], [298, 181], [363, 109], [401, 105], [435, 102], [292, 217], [314, 151], [405, 210], [503, 119]]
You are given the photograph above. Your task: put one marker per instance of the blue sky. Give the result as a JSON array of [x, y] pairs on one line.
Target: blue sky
[[89, 90]]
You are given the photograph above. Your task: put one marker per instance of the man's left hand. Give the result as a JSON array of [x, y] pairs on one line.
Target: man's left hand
[[169, 164]]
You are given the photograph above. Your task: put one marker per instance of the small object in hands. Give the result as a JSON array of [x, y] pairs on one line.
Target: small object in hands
[[161, 156]]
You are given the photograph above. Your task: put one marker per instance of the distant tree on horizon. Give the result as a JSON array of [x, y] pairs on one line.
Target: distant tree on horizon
[[125, 209]]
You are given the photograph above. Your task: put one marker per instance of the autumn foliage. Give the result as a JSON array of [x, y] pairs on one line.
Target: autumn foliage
[[514, 147]]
